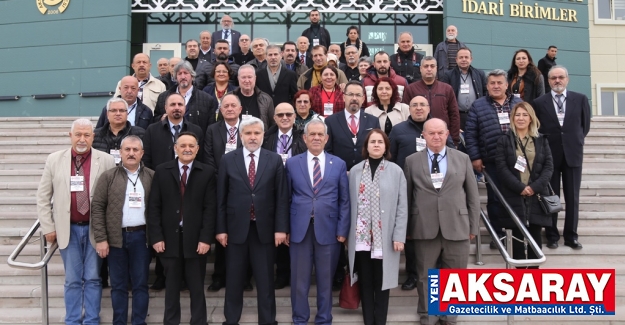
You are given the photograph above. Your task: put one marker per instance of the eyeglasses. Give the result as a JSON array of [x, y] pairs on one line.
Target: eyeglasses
[[244, 40], [353, 95], [557, 78], [281, 115], [302, 101], [419, 105], [115, 111]]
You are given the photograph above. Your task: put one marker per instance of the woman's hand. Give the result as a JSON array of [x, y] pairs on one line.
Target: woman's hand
[[527, 191], [397, 246]]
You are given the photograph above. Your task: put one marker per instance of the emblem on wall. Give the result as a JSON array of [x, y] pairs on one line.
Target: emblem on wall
[[52, 7]]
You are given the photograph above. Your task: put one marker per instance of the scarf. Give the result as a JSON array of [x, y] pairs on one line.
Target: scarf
[[369, 223], [315, 78]]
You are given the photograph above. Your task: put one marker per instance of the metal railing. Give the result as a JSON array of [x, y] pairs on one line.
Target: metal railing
[[46, 254]]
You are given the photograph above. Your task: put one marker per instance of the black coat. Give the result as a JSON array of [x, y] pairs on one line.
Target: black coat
[[235, 198], [199, 208], [143, 116], [544, 65], [407, 65], [167, 81], [534, 85], [215, 141], [452, 78], [324, 37], [510, 180], [285, 89], [340, 142], [105, 140], [200, 111], [158, 142], [403, 139], [205, 69], [298, 145]]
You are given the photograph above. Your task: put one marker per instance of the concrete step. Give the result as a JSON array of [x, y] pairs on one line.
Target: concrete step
[[603, 188], [19, 203], [595, 174], [608, 152], [46, 139], [602, 163], [21, 164], [16, 137], [24, 175], [11, 189], [591, 254]]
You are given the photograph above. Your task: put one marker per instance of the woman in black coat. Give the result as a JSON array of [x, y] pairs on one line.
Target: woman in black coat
[[524, 79], [519, 185]]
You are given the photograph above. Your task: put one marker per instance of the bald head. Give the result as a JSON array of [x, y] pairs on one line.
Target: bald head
[[172, 63], [435, 134], [284, 116], [129, 89], [419, 109]]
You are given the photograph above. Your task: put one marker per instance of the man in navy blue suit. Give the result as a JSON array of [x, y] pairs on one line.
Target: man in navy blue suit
[[320, 220]]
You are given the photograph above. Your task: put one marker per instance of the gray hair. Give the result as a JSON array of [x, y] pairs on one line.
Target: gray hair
[[403, 33], [82, 122], [365, 59], [233, 95], [348, 46], [115, 100], [428, 58], [251, 121], [557, 66], [497, 73], [205, 31], [272, 47], [184, 64], [247, 66], [131, 138], [313, 122]]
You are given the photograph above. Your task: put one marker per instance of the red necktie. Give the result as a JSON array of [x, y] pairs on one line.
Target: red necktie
[[183, 186], [82, 198], [252, 175], [302, 59], [352, 125]]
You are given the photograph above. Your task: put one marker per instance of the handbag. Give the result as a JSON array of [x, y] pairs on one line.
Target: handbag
[[549, 203], [349, 298]]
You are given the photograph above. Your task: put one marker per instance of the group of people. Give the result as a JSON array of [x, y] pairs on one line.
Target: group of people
[[291, 158]]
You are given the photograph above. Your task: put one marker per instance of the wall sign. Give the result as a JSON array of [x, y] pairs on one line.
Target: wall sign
[[52, 7], [520, 10]]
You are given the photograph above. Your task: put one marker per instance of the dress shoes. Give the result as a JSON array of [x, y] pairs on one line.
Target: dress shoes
[[215, 286], [409, 284], [573, 244], [248, 287], [159, 284], [280, 283], [552, 244]]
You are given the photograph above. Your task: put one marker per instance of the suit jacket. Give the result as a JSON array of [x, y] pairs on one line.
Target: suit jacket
[[330, 204], [54, 186], [200, 110], [455, 209], [143, 116], [235, 198], [158, 142], [215, 144], [286, 86], [270, 142], [198, 208], [341, 138], [234, 36], [566, 141]]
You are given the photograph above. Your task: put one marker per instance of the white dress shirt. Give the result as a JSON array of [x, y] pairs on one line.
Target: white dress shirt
[[248, 159], [555, 101], [132, 113], [187, 96], [132, 217], [311, 164], [280, 145], [182, 170]]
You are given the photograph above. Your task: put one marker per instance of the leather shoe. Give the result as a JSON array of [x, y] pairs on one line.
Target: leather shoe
[[409, 284], [159, 284], [552, 244], [215, 286], [248, 287], [280, 283], [493, 245], [573, 244]]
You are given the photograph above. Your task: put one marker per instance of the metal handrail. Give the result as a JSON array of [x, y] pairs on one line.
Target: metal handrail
[[46, 254]]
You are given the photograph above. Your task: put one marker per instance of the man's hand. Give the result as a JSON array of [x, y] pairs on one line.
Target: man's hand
[[280, 238], [288, 240], [340, 239], [397, 246], [471, 236], [222, 239], [102, 249], [51, 237], [477, 165], [159, 247], [203, 248]]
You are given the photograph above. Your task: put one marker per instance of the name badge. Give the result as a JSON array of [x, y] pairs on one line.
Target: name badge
[[520, 164], [77, 183], [504, 118], [464, 89], [116, 155], [437, 180], [230, 147], [135, 200], [246, 116], [284, 156], [560, 118], [328, 109], [315, 41], [517, 95], [420, 144]]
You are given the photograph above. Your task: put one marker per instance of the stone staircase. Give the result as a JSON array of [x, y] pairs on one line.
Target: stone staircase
[[26, 142]]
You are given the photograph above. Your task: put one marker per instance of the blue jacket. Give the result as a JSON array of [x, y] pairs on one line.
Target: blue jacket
[[482, 130], [143, 116]]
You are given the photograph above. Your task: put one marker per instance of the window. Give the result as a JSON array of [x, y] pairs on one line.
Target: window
[[610, 11], [611, 100]]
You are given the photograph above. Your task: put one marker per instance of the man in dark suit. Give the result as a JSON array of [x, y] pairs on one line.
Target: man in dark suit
[[437, 177], [139, 114], [204, 69], [565, 119], [229, 34], [320, 222], [303, 54], [252, 220], [287, 142], [181, 223], [276, 80]]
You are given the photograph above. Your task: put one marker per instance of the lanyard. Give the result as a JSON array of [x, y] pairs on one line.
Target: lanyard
[[232, 137], [79, 166], [559, 105], [330, 95], [440, 158], [285, 145], [134, 184], [464, 80]]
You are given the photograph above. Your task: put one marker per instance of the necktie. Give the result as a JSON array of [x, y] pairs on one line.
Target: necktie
[[232, 139], [302, 59], [183, 186], [226, 33], [352, 125], [252, 175], [283, 143], [435, 168], [316, 175], [560, 104], [82, 199], [176, 131]]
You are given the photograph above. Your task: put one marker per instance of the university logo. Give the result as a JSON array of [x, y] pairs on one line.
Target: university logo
[[52, 7]]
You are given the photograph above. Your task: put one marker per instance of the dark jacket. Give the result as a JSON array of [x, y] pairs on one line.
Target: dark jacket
[[407, 65], [544, 65], [265, 106], [143, 116], [105, 140], [241, 59], [483, 129], [364, 51], [286, 86], [108, 201], [215, 144], [324, 36], [403, 140], [166, 79], [297, 146], [158, 142], [200, 111], [440, 54], [452, 78], [510, 180], [534, 85], [205, 69], [199, 208], [443, 103], [340, 142], [372, 77]]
